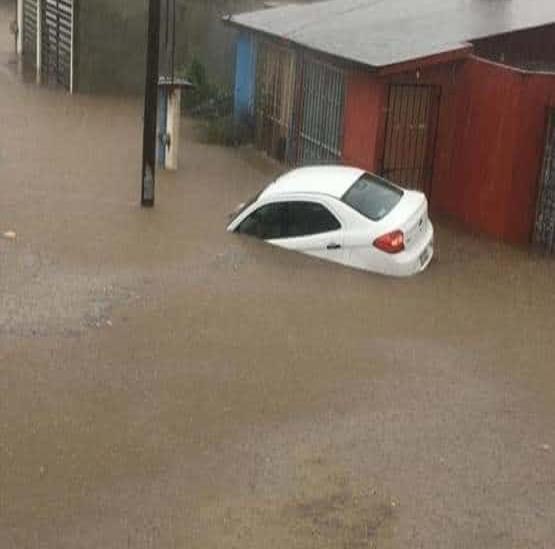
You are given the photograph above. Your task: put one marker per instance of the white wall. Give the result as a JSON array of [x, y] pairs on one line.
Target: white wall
[[19, 18]]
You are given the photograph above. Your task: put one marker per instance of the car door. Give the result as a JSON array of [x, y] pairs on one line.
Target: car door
[[313, 229]]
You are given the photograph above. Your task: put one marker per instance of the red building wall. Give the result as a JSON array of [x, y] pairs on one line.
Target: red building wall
[[366, 110], [498, 147], [486, 119], [364, 107], [538, 95], [490, 140], [446, 76]]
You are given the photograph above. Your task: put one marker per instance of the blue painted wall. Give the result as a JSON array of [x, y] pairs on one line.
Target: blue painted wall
[[245, 78]]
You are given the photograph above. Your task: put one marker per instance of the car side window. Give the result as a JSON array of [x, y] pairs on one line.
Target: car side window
[[309, 218], [266, 223]]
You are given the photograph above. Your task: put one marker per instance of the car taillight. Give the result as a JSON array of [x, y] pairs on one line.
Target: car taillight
[[391, 243]]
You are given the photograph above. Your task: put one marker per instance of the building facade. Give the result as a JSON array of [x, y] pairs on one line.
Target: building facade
[[86, 45], [96, 46], [470, 124]]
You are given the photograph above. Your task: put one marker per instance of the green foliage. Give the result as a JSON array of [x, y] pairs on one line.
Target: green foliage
[[206, 99], [213, 106], [202, 91]]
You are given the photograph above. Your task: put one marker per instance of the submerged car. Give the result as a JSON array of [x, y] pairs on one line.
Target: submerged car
[[345, 215]]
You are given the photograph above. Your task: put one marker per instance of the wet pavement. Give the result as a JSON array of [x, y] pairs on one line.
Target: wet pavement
[[166, 385]]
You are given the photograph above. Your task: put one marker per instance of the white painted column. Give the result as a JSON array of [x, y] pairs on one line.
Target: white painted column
[[39, 41], [174, 121], [19, 16]]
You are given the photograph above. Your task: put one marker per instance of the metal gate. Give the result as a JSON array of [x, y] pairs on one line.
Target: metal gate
[[410, 135], [321, 114], [30, 30], [57, 42], [545, 220], [275, 87]]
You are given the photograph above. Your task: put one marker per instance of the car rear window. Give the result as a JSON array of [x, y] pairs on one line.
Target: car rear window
[[373, 197]]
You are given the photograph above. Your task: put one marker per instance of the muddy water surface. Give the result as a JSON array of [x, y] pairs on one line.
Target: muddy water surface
[[164, 384]]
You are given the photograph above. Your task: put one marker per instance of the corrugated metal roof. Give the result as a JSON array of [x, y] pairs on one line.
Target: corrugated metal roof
[[379, 33]]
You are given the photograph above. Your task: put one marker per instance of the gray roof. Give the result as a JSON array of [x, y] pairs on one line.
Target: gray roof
[[379, 33]]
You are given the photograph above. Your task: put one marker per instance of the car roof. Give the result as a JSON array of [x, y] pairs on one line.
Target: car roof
[[331, 180]]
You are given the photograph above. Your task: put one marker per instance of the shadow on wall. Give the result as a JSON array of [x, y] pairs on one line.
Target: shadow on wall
[[211, 42], [111, 46], [208, 39], [112, 38]]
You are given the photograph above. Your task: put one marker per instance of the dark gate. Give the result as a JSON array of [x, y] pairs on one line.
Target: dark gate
[[275, 87], [57, 41], [545, 220], [30, 31], [322, 112], [410, 135]]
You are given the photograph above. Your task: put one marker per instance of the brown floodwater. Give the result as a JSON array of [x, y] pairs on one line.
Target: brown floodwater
[[164, 384]]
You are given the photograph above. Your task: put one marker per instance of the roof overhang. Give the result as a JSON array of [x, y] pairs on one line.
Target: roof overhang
[[289, 42], [457, 53], [415, 64], [390, 36]]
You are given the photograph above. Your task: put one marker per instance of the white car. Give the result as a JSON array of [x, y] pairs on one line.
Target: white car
[[345, 215]]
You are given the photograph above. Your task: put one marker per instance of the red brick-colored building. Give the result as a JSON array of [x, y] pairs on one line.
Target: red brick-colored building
[[452, 97]]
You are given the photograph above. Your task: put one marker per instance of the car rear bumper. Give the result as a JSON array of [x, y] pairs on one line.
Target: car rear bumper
[[403, 264], [416, 260]]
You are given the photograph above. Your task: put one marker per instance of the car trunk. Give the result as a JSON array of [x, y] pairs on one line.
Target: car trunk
[[411, 214]]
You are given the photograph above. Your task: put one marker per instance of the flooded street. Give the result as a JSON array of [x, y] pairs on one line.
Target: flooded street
[[166, 385]]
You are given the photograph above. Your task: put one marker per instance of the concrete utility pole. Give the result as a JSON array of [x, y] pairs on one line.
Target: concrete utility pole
[[151, 105]]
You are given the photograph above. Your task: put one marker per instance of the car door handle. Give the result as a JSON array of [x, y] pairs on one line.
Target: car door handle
[[333, 246]]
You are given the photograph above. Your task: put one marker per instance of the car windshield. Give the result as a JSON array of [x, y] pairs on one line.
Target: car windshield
[[373, 197], [242, 207]]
